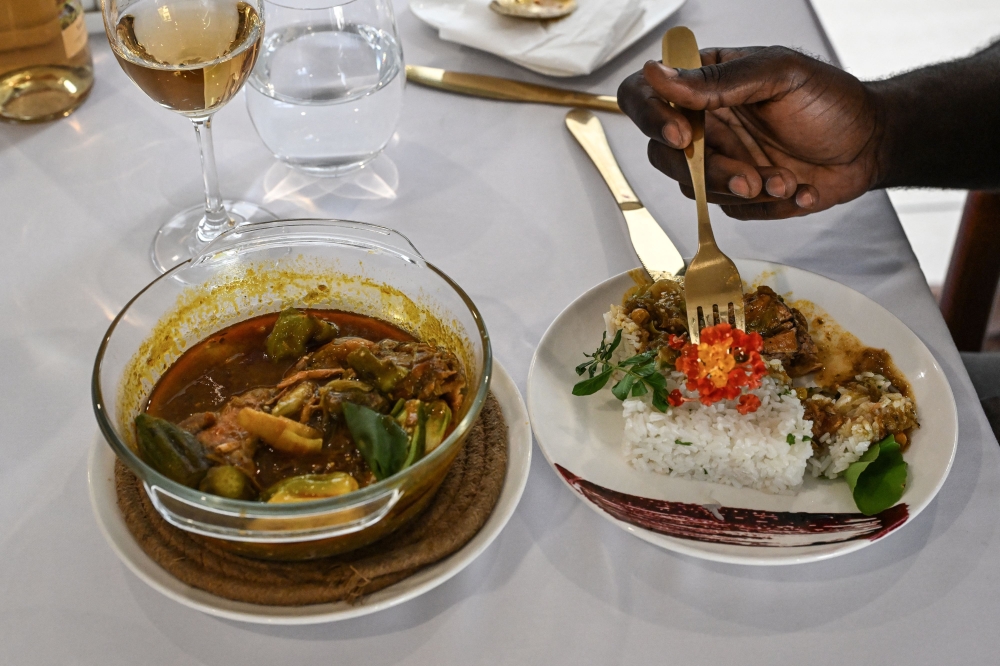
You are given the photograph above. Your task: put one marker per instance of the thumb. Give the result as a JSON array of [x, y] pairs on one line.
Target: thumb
[[733, 77]]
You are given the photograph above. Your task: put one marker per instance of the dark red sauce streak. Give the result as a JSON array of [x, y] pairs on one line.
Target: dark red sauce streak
[[739, 527]]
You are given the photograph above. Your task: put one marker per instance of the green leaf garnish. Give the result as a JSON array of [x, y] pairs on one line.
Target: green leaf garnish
[[790, 439], [878, 479], [592, 385], [680, 443], [622, 389], [383, 442], [641, 374]]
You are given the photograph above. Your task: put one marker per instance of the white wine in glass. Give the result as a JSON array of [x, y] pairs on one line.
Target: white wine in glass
[[45, 65], [190, 56]]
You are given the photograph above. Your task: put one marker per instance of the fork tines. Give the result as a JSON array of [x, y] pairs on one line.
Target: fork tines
[[713, 292], [698, 320]]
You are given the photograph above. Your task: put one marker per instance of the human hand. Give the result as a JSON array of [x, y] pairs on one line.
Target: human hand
[[785, 134]]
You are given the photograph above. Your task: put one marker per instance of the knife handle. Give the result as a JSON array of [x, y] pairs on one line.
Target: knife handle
[[508, 90], [587, 129]]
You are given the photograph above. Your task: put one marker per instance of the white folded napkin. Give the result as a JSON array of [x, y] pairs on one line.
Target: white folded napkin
[[575, 45]]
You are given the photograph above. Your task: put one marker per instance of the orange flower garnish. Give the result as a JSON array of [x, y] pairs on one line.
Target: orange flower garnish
[[725, 362], [676, 398], [677, 341], [748, 403]]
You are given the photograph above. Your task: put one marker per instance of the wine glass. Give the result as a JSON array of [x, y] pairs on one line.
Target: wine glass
[[191, 56]]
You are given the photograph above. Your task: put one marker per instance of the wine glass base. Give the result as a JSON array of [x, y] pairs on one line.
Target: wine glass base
[[177, 240]]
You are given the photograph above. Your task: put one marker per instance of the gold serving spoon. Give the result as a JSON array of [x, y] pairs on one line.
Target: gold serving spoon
[[534, 9], [713, 289]]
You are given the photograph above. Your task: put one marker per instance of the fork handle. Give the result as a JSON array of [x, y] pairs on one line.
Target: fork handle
[[680, 50], [695, 154]]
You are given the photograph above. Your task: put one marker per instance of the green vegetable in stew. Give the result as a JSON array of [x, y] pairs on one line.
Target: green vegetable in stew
[[382, 372], [170, 450], [416, 417], [438, 420], [292, 402], [309, 487], [381, 440], [227, 481], [294, 330]]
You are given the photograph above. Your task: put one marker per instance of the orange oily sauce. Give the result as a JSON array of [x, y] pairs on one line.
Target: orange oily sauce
[[233, 361]]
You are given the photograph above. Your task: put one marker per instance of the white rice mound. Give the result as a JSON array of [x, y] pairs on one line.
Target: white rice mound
[[717, 443], [720, 444]]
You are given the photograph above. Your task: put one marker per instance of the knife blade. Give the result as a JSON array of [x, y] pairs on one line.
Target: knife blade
[[493, 87], [658, 254]]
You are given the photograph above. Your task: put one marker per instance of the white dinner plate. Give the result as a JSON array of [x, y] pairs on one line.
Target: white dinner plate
[[104, 501], [440, 15], [581, 438]]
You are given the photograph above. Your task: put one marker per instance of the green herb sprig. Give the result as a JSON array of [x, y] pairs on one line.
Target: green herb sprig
[[641, 376]]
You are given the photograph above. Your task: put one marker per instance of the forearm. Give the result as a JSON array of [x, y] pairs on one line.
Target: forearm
[[940, 126]]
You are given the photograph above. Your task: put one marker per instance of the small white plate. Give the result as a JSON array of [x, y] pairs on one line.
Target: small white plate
[[582, 435], [104, 501], [478, 29]]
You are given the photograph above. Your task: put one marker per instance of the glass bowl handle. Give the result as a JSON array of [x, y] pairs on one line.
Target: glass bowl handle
[[269, 527], [326, 231]]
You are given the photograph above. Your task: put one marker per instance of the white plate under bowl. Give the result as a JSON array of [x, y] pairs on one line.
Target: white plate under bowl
[[583, 435], [105, 504]]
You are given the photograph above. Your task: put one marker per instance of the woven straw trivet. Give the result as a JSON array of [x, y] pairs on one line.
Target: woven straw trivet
[[458, 511]]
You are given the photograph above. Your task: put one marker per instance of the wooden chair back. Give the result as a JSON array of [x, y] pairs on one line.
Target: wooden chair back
[[974, 271]]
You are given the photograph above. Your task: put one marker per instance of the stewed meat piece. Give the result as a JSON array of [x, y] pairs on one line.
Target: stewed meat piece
[[225, 440], [784, 329], [659, 310]]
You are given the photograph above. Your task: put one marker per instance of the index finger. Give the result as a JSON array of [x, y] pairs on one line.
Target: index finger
[[653, 116]]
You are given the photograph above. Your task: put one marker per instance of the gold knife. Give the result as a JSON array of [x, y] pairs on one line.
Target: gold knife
[[658, 254], [493, 87]]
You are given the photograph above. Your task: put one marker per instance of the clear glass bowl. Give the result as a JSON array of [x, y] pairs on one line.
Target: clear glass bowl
[[263, 268]]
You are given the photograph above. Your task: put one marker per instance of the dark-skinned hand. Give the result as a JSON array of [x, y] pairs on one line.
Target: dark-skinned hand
[[785, 134]]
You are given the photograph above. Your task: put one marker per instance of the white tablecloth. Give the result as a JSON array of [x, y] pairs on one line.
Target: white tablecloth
[[500, 197]]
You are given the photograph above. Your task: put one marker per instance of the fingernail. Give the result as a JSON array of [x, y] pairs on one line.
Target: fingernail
[[672, 135], [775, 186], [805, 199], [739, 186], [668, 72]]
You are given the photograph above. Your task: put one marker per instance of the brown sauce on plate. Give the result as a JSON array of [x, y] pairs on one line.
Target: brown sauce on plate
[[843, 355]]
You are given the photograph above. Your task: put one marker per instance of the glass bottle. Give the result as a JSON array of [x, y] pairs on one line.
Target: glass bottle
[[45, 66]]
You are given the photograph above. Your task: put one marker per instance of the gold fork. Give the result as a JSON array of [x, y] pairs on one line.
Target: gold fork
[[713, 289]]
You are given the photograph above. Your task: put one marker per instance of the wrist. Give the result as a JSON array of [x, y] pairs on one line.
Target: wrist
[[885, 103], [938, 126]]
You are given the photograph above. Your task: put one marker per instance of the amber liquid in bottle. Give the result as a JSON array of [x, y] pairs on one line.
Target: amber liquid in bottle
[[188, 57], [45, 65]]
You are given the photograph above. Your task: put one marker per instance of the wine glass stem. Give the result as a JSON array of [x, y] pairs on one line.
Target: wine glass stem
[[216, 218]]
